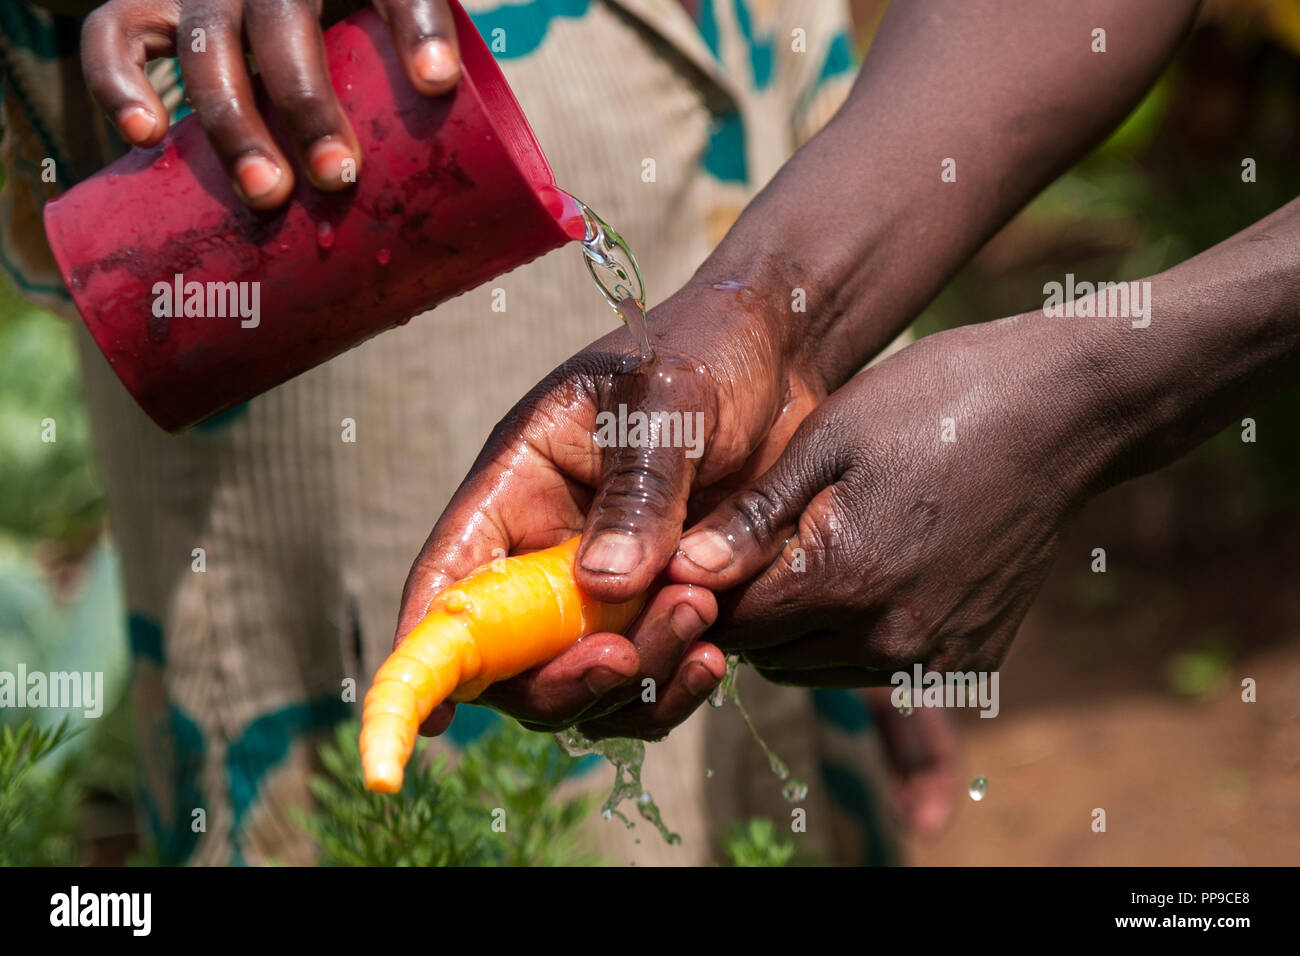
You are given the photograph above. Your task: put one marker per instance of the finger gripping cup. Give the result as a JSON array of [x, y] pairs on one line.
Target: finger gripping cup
[[200, 303]]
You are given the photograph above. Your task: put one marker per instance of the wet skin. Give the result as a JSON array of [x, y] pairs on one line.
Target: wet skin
[[916, 549], [861, 225], [542, 477]]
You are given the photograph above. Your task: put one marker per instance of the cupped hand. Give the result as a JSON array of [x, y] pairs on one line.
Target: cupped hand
[[914, 515], [284, 36], [559, 464]]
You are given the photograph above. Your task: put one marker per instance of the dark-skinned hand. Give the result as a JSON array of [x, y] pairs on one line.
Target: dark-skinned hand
[[912, 518], [542, 478], [284, 37]]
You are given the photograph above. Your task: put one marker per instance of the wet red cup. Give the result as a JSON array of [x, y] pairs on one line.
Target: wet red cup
[[452, 192]]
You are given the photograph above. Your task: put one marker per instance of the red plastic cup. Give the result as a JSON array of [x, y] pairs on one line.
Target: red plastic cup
[[452, 192]]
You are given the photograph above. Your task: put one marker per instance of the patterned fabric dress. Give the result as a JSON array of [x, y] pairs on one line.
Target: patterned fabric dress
[[308, 539]]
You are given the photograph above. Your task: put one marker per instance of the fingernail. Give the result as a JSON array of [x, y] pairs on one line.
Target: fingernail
[[601, 680], [699, 680], [707, 549], [136, 123], [328, 158], [436, 63], [686, 622], [613, 552], [257, 176]]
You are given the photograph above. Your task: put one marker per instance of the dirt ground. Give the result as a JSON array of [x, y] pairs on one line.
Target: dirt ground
[[1124, 693]]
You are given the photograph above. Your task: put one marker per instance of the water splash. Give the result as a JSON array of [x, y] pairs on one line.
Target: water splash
[[726, 688], [610, 261], [632, 313], [627, 756], [794, 789]]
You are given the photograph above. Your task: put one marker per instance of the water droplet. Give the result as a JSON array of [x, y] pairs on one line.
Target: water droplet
[[456, 602], [607, 813], [726, 686], [794, 791], [324, 234], [978, 788], [644, 798], [383, 257], [708, 773]]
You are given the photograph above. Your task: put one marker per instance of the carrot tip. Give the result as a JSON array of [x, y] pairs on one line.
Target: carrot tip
[[471, 638], [384, 776]]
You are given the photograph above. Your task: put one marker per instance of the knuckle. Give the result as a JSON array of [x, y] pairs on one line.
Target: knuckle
[[756, 510], [223, 118], [822, 534], [279, 10], [213, 18], [102, 79], [640, 484], [306, 108], [100, 21]]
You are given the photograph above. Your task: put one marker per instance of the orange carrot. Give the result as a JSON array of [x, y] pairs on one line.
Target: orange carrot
[[501, 620]]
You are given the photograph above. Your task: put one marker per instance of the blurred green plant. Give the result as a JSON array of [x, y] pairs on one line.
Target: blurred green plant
[[755, 843], [444, 815], [45, 632], [34, 807], [1201, 671], [47, 488]]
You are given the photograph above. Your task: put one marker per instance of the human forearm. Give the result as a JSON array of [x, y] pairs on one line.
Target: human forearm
[[1224, 335], [860, 218], [983, 441]]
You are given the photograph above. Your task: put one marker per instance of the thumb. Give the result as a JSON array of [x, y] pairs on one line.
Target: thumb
[[746, 532], [637, 512]]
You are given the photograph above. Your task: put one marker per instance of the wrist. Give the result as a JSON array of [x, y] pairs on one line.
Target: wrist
[[1217, 335], [807, 302]]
